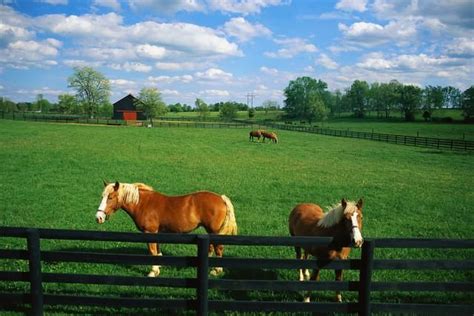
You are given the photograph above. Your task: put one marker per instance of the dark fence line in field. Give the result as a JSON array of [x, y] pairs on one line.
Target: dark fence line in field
[[418, 141], [37, 297]]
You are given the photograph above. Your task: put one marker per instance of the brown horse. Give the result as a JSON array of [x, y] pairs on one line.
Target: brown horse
[[257, 133], [155, 212], [271, 136], [343, 222]]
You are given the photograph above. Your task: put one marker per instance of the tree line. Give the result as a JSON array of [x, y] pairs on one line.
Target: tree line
[[306, 99]]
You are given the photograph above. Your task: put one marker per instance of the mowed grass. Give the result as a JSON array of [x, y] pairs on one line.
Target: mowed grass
[[52, 176]]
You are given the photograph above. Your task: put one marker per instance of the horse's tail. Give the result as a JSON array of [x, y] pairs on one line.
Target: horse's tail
[[229, 226]]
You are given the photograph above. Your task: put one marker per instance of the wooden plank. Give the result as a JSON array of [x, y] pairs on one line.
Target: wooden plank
[[91, 257], [118, 280], [423, 243], [265, 306], [246, 263], [279, 285], [426, 309], [104, 301], [396, 264], [423, 286]]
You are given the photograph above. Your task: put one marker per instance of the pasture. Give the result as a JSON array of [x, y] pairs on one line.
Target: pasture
[[52, 178]]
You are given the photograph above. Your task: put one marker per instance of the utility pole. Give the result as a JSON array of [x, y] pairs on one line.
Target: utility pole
[[250, 97]]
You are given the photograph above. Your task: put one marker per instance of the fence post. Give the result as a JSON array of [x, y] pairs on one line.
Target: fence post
[[34, 261], [202, 275], [365, 278]]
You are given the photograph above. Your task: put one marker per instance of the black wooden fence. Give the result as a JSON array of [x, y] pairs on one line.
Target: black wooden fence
[[36, 297], [418, 141]]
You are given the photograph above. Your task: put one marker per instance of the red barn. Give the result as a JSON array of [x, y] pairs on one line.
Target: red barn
[[126, 109]]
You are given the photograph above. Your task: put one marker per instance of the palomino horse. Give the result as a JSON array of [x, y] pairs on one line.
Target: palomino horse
[[155, 212], [257, 133], [271, 136], [343, 222]]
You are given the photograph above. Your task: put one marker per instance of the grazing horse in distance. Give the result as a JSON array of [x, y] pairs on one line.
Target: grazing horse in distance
[[155, 212], [343, 222], [257, 133], [270, 135]]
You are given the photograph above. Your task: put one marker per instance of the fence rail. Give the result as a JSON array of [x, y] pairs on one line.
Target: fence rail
[[418, 141], [36, 297]]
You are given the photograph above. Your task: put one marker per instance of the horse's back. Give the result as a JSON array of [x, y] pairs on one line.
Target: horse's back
[[304, 218]]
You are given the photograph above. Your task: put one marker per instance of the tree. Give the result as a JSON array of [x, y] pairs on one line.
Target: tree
[[304, 96], [410, 100], [7, 105], [228, 111], [92, 88], [452, 97], [202, 108], [42, 104], [149, 101], [270, 105], [468, 103], [358, 95], [432, 99], [68, 104]]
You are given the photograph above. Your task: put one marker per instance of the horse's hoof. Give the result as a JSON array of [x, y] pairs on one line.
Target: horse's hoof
[[307, 299], [339, 298], [216, 271], [153, 274]]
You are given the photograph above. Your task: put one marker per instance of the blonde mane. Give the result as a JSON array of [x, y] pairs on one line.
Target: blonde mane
[[128, 192], [335, 214]]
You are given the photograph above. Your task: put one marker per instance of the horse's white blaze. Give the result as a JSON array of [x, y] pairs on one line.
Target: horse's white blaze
[[356, 231], [103, 204]]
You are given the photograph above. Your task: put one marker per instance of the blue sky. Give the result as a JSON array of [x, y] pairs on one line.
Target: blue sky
[[220, 50]]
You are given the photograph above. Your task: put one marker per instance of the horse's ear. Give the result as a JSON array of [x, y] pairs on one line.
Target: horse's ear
[[360, 203], [343, 203], [116, 186]]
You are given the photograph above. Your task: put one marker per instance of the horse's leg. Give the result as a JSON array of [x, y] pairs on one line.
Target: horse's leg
[[154, 250], [219, 251], [314, 277], [338, 278], [303, 273]]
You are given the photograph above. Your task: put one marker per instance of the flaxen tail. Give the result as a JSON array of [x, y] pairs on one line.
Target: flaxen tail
[[229, 226]]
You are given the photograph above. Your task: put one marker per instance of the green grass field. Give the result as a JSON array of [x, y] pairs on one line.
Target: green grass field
[[51, 177]]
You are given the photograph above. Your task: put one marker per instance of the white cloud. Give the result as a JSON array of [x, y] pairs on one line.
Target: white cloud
[[178, 66], [189, 38], [243, 30], [55, 2], [461, 47], [400, 32], [243, 7], [214, 74], [151, 51], [352, 5], [291, 47], [132, 66], [112, 4], [122, 82], [168, 92], [214, 93], [171, 79], [25, 54], [325, 61], [167, 7], [269, 71], [102, 27]]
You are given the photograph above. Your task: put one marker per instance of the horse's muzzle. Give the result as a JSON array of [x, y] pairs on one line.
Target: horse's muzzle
[[100, 217], [357, 243]]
